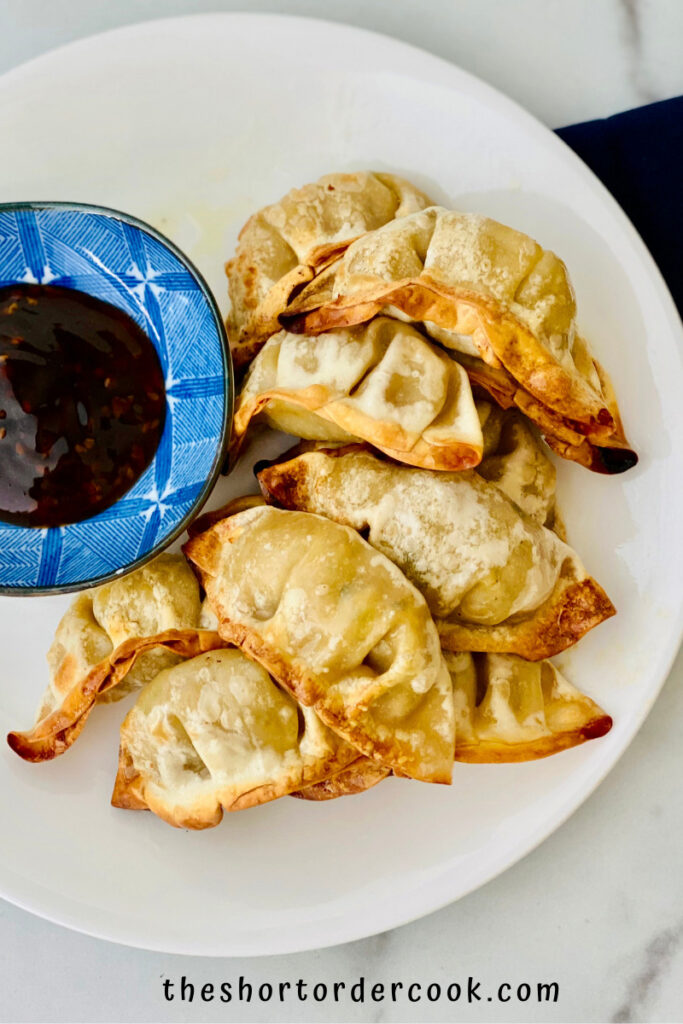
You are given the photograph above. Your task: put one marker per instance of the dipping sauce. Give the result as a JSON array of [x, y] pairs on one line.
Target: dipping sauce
[[82, 404]]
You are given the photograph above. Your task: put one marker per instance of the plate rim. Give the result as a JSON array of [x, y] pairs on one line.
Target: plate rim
[[308, 933]]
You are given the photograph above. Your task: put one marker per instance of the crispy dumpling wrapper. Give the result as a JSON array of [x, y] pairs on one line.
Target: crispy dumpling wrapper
[[565, 437], [493, 295], [56, 730], [339, 625], [494, 579], [507, 709], [162, 595], [382, 382], [361, 775], [282, 246], [515, 461], [217, 733]]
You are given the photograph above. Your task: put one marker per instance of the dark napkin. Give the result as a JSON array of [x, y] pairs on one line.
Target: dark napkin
[[638, 155]]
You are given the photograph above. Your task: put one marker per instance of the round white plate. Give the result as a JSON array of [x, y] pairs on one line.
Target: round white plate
[[192, 124]]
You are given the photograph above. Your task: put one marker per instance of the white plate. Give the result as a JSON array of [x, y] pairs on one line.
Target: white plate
[[192, 124]]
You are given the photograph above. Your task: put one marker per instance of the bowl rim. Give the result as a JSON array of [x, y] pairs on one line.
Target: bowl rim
[[228, 408]]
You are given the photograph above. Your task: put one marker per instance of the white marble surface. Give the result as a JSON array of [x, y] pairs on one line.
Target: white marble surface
[[599, 906]]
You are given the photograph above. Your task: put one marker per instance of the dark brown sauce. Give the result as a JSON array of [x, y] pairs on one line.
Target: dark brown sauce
[[82, 404]]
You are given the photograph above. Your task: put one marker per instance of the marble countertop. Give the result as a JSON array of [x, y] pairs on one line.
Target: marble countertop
[[599, 906]]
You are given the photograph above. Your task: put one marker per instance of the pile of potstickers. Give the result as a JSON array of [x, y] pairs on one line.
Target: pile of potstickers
[[386, 604]]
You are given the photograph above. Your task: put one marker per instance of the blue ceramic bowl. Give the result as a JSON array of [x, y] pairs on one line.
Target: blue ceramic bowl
[[127, 263]]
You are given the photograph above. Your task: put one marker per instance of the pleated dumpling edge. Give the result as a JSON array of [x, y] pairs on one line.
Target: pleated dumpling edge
[[337, 624]]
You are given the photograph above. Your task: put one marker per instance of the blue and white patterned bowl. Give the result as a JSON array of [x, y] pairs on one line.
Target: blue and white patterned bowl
[[125, 262]]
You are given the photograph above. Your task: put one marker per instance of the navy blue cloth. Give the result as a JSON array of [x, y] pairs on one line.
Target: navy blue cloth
[[638, 155]]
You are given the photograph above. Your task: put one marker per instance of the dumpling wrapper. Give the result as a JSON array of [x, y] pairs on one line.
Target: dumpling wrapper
[[161, 596], [383, 383], [361, 775], [337, 624], [217, 733], [514, 459], [282, 246], [494, 296], [56, 730], [507, 710], [494, 579]]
